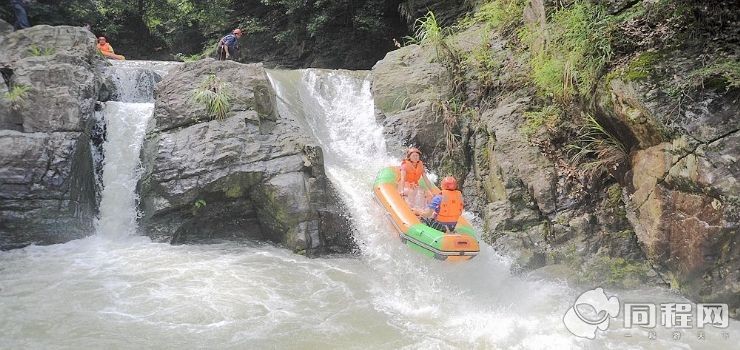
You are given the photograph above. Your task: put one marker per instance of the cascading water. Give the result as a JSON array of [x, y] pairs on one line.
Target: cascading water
[[135, 80], [126, 122], [124, 293]]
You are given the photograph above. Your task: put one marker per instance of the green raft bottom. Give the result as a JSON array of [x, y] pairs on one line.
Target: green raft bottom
[[421, 237], [428, 241]]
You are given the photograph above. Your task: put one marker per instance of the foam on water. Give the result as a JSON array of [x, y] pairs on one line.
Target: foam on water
[[121, 291]]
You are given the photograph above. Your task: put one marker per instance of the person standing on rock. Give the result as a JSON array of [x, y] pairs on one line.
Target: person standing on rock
[[228, 46], [20, 7]]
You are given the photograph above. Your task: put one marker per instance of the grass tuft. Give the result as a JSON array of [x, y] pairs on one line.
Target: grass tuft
[[17, 96], [214, 96], [596, 151]]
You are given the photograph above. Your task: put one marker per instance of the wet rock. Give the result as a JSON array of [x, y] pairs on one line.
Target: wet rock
[[47, 190], [685, 214], [407, 85], [236, 178], [47, 194], [681, 123], [246, 83]]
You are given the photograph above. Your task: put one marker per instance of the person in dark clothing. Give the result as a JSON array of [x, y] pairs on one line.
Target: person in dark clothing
[[21, 13], [228, 46]]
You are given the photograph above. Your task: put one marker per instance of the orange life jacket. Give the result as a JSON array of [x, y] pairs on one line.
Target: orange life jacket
[[105, 48], [451, 207], [413, 171]]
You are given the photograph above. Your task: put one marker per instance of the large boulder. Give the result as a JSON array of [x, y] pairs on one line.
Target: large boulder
[[683, 184], [51, 82], [57, 67], [252, 175], [47, 192], [408, 87]]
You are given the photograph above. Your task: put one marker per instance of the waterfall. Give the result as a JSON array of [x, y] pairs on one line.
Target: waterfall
[[108, 292], [125, 121]]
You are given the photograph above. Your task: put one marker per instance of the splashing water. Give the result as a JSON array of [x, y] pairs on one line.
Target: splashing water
[[125, 292], [126, 125]]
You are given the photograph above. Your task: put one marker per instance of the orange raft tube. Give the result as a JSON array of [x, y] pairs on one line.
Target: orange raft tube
[[460, 245]]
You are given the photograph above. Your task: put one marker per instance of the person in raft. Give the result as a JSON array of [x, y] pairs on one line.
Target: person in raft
[[107, 50], [412, 169], [228, 46], [445, 209]]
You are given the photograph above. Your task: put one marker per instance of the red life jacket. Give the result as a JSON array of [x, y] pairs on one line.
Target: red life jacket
[[413, 171], [451, 207]]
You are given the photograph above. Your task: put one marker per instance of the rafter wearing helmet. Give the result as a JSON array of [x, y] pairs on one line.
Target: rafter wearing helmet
[[445, 208]]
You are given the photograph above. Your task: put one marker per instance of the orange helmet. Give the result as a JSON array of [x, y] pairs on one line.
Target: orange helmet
[[449, 183], [413, 150]]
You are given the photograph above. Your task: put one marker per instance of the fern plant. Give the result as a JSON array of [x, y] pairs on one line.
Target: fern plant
[[213, 94]]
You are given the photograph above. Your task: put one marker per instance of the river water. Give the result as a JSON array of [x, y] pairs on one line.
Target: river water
[[118, 290]]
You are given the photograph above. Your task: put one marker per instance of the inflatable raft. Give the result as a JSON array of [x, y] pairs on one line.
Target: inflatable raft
[[458, 246]]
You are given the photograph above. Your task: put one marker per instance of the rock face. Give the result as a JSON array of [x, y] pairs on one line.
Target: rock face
[[252, 175], [666, 214], [407, 84], [47, 186], [529, 208], [683, 186]]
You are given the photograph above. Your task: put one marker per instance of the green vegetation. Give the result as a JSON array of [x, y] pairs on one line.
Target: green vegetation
[[500, 14], [36, 51], [616, 271], [549, 116], [163, 28], [213, 94], [606, 270], [575, 50], [197, 206], [17, 95], [451, 111], [427, 31], [596, 151], [722, 73], [614, 196], [208, 51], [639, 68], [480, 66], [234, 191]]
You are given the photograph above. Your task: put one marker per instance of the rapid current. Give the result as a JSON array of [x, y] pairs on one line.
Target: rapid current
[[118, 290]]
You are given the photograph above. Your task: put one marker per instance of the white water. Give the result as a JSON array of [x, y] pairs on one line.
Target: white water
[[136, 79], [121, 291], [126, 125]]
